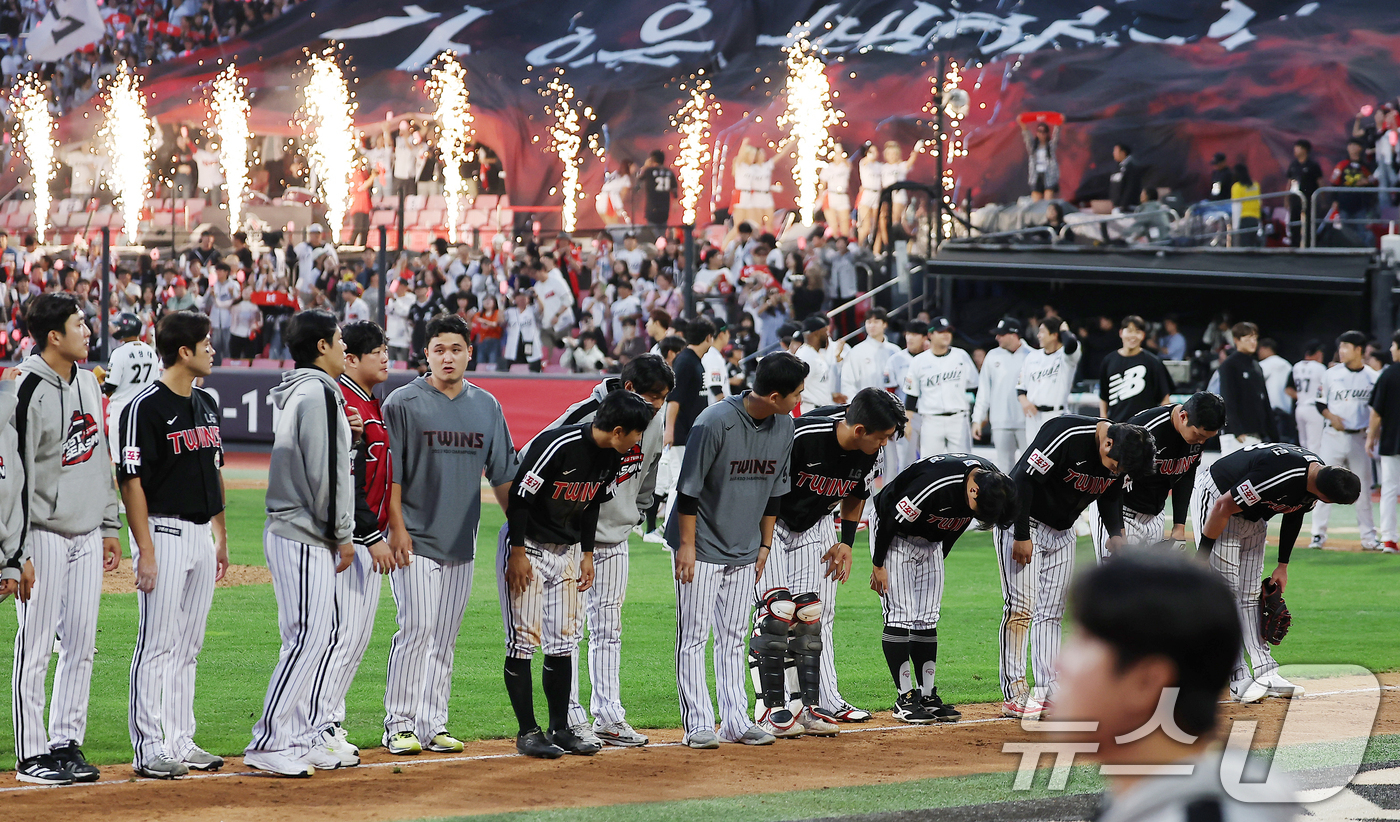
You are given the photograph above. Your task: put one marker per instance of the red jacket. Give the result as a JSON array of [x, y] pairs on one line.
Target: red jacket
[[373, 468]]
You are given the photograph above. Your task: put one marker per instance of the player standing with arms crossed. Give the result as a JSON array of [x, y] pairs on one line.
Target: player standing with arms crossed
[[173, 489], [1131, 379], [130, 369], [1307, 387], [307, 541], [997, 401], [73, 526], [1345, 403], [1046, 375], [1179, 432], [444, 434], [546, 560], [1231, 508], [918, 516], [904, 451], [936, 387], [735, 472], [1072, 462]]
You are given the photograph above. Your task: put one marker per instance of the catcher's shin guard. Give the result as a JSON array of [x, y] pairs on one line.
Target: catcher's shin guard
[[769, 645], [806, 647]]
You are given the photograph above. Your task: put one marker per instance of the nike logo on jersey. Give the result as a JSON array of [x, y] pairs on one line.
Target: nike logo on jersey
[[568, 472], [1128, 384], [172, 420]]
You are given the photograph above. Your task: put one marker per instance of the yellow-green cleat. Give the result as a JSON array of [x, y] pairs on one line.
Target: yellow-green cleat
[[444, 743], [403, 743]]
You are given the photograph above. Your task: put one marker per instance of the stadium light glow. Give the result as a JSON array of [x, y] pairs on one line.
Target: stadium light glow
[[36, 134], [329, 123], [448, 87], [565, 130], [808, 120], [693, 123], [130, 142], [230, 107]]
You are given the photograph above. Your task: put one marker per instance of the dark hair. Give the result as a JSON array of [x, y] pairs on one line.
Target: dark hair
[[661, 318], [1244, 330], [1053, 325], [1133, 447], [1127, 149], [306, 330], [1241, 172], [1357, 338], [447, 324], [1268, 342], [657, 156], [745, 227], [1150, 192], [1135, 321], [1205, 410], [1155, 604], [241, 236], [670, 344], [1338, 484], [996, 499], [179, 329], [1395, 338], [779, 373], [648, 373], [362, 337], [1305, 145], [878, 313], [1351, 142], [698, 330], [877, 410], [223, 266], [625, 410], [1316, 347], [49, 312]]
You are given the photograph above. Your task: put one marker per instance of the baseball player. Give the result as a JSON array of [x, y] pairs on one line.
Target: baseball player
[[1072, 462], [307, 541], [1047, 374], [820, 356], [546, 560], [684, 403], [716, 369], [1383, 440], [997, 400], [1179, 432], [865, 364], [902, 452], [13, 515], [172, 486], [1345, 403], [835, 451], [918, 516], [73, 527], [357, 590], [936, 387], [650, 377], [735, 472], [1231, 508], [444, 434], [130, 369], [1306, 383]]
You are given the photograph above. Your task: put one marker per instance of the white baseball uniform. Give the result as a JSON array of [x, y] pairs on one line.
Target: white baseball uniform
[[716, 374], [904, 451], [1307, 381], [821, 378], [997, 403], [1347, 394], [1046, 379], [941, 384], [131, 368]]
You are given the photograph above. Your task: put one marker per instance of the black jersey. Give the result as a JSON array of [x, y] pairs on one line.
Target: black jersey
[[173, 444], [823, 473], [1133, 384], [1059, 474], [563, 475], [1266, 479], [928, 500], [659, 185], [1173, 468]]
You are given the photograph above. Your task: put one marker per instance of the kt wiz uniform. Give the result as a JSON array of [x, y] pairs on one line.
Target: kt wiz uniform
[[997, 403], [1145, 498], [1307, 381], [937, 388], [1056, 478], [733, 465], [1264, 479], [132, 368], [441, 447], [1045, 381], [901, 453], [172, 445], [1347, 394]]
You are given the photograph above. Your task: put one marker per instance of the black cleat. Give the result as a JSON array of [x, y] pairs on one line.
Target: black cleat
[[70, 758], [569, 741], [940, 711], [533, 743], [43, 770], [910, 708]]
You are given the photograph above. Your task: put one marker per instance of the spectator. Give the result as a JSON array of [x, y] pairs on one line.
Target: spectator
[[842, 283], [1277, 374], [1171, 345], [555, 302], [596, 306], [714, 283], [218, 304], [1355, 209], [197, 260], [522, 334], [1125, 184], [631, 254], [626, 310], [1221, 178], [630, 345], [244, 323], [407, 156], [399, 330], [1153, 221], [666, 297], [426, 305], [1055, 219], [1249, 416], [1044, 165], [746, 339], [739, 252], [587, 355], [355, 307], [486, 331], [361, 205], [1304, 177], [310, 265], [1246, 212]]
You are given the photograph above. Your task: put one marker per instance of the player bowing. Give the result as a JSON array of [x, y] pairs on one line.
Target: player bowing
[[918, 517], [1232, 505], [834, 453]]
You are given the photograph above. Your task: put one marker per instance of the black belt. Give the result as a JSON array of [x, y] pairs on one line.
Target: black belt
[[1049, 408], [1353, 430], [946, 414]]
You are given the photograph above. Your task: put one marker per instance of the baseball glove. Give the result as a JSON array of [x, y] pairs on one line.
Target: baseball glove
[[1274, 618]]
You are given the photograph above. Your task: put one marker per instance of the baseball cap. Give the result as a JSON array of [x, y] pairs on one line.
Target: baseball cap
[[179, 282], [938, 324], [1007, 325], [315, 228], [786, 330], [815, 323]]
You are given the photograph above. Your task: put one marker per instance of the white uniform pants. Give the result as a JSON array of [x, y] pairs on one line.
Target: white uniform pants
[[169, 635], [357, 590], [903, 452], [1009, 442], [1347, 451], [1033, 424], [67, 590], [1310, 425], [1138, 530], [945, 434], [668, 474], [545, 614], [1033, 598], [602, 606], [431, 597], [1390, 490], [718, 599], [1229, 443]]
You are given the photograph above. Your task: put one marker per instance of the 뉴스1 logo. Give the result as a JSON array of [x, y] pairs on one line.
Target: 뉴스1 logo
[[532, 482], [907, 509], [1248, 494], [1038, 462]]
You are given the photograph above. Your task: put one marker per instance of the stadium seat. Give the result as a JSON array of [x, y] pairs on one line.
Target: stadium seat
[[388, 218], [429, 218], [410, 218], [417, 240], [9, 207], [26, 206], [476, 218], [485, 201], [436, 201], [415, 202]]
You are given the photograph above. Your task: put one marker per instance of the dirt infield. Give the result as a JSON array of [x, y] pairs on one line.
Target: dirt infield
[[490, 778], [123, 580]]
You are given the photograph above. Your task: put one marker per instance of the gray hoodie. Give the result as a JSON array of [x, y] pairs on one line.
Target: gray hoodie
[[636, 480], [310, 493], [13, 551], [67, 463]]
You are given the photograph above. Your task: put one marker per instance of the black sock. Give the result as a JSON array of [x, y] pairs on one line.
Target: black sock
[[520, 687], [651, 514], [557, 679], [896, 644], [923, 653]]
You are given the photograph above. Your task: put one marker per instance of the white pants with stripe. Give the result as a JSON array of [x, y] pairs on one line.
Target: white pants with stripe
[[1347, 451], [357, 589], [1138, 529], [1390, 490], [903, 452], [303, 578], [1310, 425], [915, 571], [545, 614], [169, 636], [719, 599], [1239, 557], [602, 607], [1033, 597], [949, 434], [1009, 442], [431, 598], [1034, 424], [67, 591], [668, 473]]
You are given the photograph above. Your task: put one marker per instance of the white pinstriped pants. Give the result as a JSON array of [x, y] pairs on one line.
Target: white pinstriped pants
[[720, 598], [431, 597], [915, 570], [602, 606], [67, 592], [169, 636], [357, 589], [1138, 530], [545, 614], [1239, 557], [1033, 606], [303, 578]]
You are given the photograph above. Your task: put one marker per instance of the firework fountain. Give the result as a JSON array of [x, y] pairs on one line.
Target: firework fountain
[[230, 108], [329, 125], [448, 87], [36, 127], [130, 143]]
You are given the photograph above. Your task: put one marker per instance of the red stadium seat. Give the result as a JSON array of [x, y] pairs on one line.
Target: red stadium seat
[[429, 218], [485, 201]]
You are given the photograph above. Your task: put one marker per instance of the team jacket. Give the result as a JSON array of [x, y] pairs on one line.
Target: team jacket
[[1266, 479], [310, 487], [928, 500], [1060, 473], [823, 473], [13, 524], [1173, 468], [563, 478], [373, 467]]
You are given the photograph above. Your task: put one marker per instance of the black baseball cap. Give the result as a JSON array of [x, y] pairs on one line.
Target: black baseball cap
[[1218, 158], [814, 323], [938, 324], [1007, 325], [786, 330]]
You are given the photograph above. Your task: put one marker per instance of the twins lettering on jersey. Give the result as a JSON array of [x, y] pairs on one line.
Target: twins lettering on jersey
[[826, 486], [82, 438], [763, 468], [454, 439], [1176, 466], [576, 491], [1087, 483], [1127, 384], [191, 439]]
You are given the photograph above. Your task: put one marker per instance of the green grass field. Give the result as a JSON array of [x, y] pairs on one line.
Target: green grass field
[[1344, 606]]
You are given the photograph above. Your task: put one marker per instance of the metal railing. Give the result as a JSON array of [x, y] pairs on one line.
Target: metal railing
[[1020, 232], [1316, 222], [1195, 210], [848, 305]]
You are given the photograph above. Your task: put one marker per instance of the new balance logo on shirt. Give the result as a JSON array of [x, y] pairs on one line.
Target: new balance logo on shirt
[[1127, 384]]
